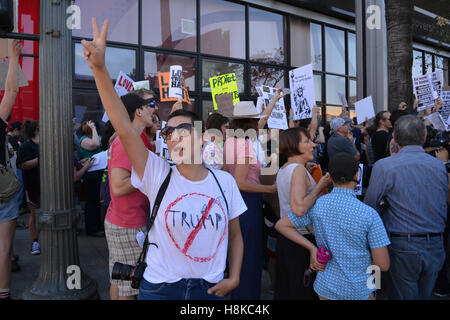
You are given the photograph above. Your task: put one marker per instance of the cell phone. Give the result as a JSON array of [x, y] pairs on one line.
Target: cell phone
[[286, 91]]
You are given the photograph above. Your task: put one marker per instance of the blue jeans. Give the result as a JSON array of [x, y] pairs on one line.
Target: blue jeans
[[415, 264], [185, 289]]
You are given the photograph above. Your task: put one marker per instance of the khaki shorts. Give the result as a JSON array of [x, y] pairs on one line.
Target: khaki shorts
[[123, 248]]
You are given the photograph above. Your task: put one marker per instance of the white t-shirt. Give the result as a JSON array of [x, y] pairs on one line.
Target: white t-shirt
[[191, 227]]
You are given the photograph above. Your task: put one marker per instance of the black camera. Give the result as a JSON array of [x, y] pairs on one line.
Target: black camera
[[126, 272]]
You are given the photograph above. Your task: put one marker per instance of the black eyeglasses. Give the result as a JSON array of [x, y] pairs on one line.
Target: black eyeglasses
[[183, 130]]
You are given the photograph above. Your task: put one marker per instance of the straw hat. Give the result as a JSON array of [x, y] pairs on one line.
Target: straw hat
[[246, 110]]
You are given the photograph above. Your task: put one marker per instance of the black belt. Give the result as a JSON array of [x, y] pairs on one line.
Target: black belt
[[421, 235]]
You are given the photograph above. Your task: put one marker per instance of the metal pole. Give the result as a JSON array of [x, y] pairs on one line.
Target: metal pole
[[57, 217]]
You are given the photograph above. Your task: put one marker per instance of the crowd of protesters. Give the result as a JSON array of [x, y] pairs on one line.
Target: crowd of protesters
[[206, 228]]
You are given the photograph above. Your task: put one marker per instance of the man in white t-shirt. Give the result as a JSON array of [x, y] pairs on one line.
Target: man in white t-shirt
[[195, 227]]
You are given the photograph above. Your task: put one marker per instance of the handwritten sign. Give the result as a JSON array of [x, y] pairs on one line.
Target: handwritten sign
[[164, 85], [124, 84], [176, 82], [277, 119], [224, 84], [145, 84]]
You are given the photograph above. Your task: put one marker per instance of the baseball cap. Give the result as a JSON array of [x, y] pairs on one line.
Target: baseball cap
[[132, 102], [343, 167], [336, 123]]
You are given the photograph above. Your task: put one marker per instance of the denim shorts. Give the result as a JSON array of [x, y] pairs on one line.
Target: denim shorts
[[185, 289], [9, 210]]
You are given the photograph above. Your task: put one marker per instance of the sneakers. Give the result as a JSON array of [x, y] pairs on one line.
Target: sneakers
[[35, 248], [441, 293]]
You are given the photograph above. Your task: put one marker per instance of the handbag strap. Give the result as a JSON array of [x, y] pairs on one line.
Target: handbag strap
[[223, 195], [151, 219]]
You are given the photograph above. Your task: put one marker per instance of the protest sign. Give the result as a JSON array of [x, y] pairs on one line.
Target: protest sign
[[225, 104], [260, 104], [437, 121], [164, 85], [176, 82], [364, 109], [358, 188], [124, 84], [303, 97], [427, 88], [21, 78], [222, 84], [145, 84], [445, 111], [100, 161], [343, 99], [277, 119], [161, 147]]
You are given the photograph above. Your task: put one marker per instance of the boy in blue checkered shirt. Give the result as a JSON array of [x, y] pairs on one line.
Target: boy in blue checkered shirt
[[351, 230]]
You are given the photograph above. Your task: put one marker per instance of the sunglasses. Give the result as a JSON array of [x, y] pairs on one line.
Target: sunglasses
[[150, 103], [183, 130]]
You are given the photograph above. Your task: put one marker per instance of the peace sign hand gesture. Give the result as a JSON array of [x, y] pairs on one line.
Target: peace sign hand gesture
[[94, 51]]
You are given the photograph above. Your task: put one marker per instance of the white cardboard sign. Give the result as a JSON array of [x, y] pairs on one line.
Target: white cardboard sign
[[303, 97], [364, 108]]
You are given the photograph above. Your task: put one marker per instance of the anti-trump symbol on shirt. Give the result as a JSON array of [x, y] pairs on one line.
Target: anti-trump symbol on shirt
[[197, 235]]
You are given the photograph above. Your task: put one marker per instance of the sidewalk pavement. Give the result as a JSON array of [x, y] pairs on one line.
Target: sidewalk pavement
[[93, 253]]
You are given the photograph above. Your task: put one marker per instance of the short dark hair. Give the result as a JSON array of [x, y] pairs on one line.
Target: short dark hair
[[244, 124], [409, 130], [343, 167], [132, 101], [30, 128], [15, 125], [216, 121], [378, 118], [289, 140]]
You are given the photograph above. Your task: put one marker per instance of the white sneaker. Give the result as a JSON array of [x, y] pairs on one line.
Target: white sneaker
[[35, 248]]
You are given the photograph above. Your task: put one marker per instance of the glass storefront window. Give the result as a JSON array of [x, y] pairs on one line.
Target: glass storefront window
[[211, 68], [222, 28], [417, 63], [123, 16], [300, 40], [271, 77], [155, 63], [169, 24], [334, 85], [353, 93], [316, 46], [428, 63], [335, 50], [117, 59], [207, 109], [267, 32], [351, 54], [88, 106], [318, 87]]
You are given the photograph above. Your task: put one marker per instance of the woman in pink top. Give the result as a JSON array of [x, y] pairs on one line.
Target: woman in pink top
[[241, 161]]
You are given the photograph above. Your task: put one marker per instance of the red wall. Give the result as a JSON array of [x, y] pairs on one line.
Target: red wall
[[26, 105]]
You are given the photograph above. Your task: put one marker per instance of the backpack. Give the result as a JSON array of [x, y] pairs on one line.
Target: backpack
[[9, 183]]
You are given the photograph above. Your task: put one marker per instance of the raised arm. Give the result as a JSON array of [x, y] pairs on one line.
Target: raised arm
[[314, 123], [11, 85], [94, 52]]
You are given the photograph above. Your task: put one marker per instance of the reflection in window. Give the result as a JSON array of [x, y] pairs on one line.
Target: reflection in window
[[88, 106], [207, 109], [428, 63], [316, 46], [267, 32], [441, 63], [351, 54], [222, 28], [122, 14], [117, 60], [262, 76], [212, 68], [353, 93], [335, 50], [318, 86], [169, 24], [300, 38], [333, 112], [155, 63], [417, 63], [334, 85]]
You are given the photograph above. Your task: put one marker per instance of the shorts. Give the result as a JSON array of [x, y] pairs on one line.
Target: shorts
[[9, 210], [33, 198], [124, 248]]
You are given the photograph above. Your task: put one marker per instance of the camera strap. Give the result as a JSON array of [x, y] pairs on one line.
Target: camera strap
[[223, 195], [151, 219]]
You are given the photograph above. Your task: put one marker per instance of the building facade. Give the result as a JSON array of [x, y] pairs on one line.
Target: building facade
[[258, 40]]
